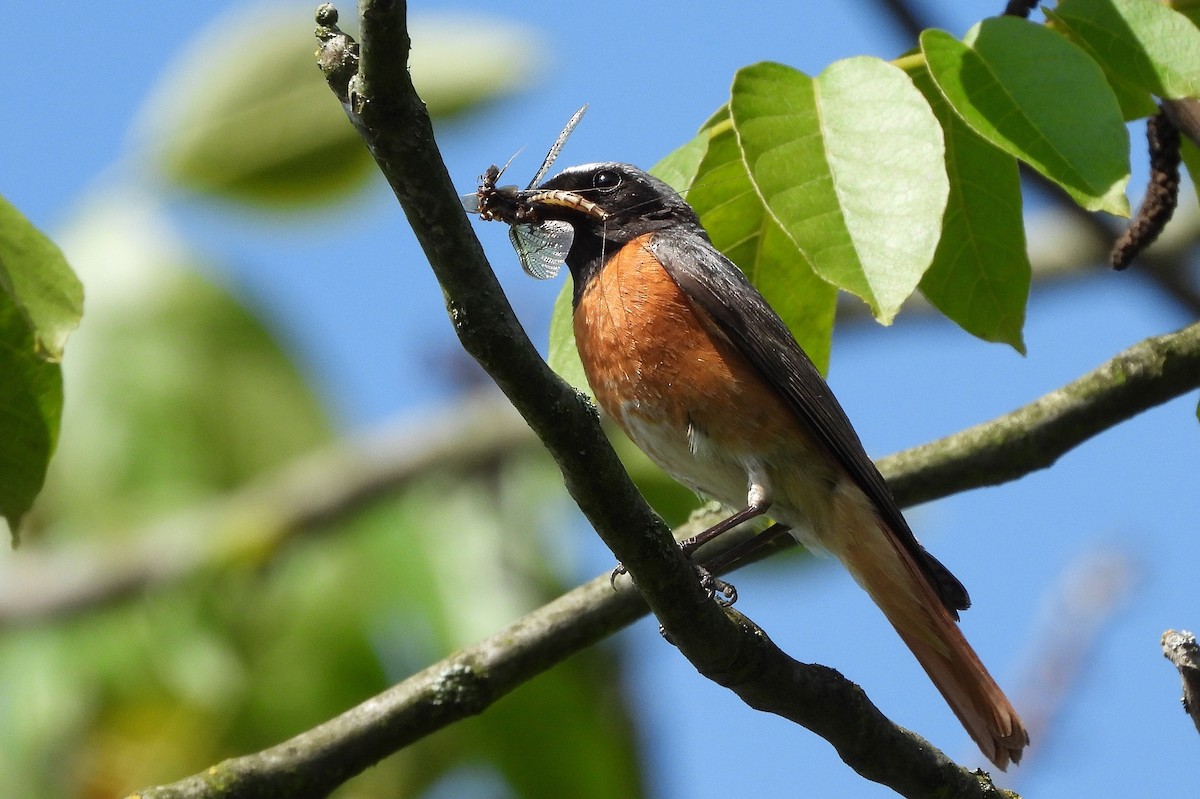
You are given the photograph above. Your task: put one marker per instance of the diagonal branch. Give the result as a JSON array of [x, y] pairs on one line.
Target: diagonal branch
[[1035, 436], [318, 761], [334, 483], [305, 495], [722, 644]]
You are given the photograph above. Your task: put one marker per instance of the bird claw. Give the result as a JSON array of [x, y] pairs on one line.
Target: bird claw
[[725, 594], [717, 589]]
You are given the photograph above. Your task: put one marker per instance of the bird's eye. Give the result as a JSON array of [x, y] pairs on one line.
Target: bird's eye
[[606, 179]]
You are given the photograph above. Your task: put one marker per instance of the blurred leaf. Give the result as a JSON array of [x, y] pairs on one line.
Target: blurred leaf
[[499, 569], [177, 390], [459, 60], [575, 725], [39, 283], [30, 408], [851, 166], [1144, 43], [981, 273], [1000, 81], [245, 114]]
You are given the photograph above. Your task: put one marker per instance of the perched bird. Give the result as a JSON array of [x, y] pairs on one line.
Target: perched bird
[[702, 374]]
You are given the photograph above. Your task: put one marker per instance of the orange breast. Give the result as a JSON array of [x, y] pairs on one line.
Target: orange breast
[[654, 358]]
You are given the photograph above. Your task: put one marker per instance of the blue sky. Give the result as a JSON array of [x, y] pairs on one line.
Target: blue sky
[[367, 334]]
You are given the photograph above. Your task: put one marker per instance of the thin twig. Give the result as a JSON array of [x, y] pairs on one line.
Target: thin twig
[[1076, 612]]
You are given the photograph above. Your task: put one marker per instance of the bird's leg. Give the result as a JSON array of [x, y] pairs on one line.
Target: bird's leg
[[690, 545], [745, 549], [758, 499]]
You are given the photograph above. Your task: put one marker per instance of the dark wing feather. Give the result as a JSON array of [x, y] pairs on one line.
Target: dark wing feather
[[720, 289]]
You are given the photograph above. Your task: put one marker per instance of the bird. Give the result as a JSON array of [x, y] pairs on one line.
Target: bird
[[694, 365]]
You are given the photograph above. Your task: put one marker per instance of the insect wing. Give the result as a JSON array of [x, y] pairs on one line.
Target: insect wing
[[556, 148], [470, 202], [542, 248]]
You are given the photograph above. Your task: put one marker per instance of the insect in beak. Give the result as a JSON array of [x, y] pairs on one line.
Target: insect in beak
[[541, 245]]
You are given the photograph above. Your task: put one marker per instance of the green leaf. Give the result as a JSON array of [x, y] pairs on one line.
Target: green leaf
[[850, 165], [1035, 95], [573, 726], [30, 408], [679, 167], [981, 273], [742, 227], [176, 389], [38, 283], [1190, 9], [1135, 102], [1144, 43], [561, 354], [245, 114], [464, 596], [41, 302], [1191, 158]]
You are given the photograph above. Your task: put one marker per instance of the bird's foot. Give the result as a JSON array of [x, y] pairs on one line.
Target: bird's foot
[[714, 587], [724, 593]]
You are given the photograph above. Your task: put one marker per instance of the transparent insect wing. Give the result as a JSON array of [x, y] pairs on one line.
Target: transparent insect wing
[[470, 202], [556, 148], [542, 248]]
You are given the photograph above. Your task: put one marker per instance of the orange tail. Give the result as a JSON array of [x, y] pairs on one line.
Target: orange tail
[[901, 589]]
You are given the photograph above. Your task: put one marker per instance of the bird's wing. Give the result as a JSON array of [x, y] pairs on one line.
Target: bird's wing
[[722, 291]]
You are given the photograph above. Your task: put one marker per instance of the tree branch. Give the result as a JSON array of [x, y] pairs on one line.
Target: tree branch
[[303, 496], [1036, 435], [317, 761], [331, 484]]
